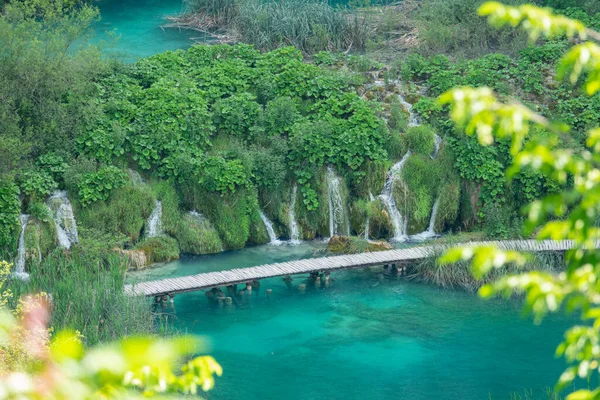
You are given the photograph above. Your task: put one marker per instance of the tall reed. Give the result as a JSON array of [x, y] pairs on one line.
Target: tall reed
[[459, 275], [309, 25], [87, 295]]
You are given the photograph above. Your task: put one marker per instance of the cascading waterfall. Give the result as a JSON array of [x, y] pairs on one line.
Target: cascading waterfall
[[387, 196], [430, 232], [62, 212], [294, 232], [413, 118], [437, 143], [269, 225], [154, 223], [339, 223], [38, 245], [21, 251], [367, 222]]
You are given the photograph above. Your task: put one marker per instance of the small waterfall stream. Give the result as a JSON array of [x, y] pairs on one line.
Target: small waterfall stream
[[430, 232], [413, 118], [269, 225], [62, 213], [339, 223], [437, 143], [21, 251], [154, 223], [294, 232], [387, 196], [367, 222]]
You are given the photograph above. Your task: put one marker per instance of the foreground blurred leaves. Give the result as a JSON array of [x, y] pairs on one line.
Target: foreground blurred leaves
[[572, 214], [35, 366]]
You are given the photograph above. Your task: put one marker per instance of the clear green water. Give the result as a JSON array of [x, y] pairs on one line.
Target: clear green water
[[362, 339], [138, 25]]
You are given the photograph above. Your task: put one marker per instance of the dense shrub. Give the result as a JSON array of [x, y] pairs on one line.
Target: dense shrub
[[420, 139], [159, 249], [124, 212]]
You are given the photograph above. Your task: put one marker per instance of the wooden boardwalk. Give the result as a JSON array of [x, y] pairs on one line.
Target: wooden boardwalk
[[243, 275]]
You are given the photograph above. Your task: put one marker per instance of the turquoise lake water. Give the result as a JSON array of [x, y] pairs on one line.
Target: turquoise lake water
[[138, 25], [361, 338]]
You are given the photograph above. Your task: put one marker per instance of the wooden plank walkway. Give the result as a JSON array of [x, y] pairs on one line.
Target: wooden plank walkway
[[242, 275]]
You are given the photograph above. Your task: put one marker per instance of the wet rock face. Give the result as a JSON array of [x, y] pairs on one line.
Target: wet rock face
[[339, 244]]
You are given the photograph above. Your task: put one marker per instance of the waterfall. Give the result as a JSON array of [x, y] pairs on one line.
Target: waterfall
[[269, 225], [38, 245], [338, 217], [62, 212], [294, 232], [387, 196], [413, 118], [430, 232], [21, 251], [437, 143], [367, 222], [154, 223]]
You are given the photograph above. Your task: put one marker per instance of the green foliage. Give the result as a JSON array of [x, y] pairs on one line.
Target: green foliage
[[454, 27], [280, 115], [159, 249], [54, 164], [123, 212], [37, 183], [569, 214], [9, 214], [196, 235], [307, 25], [421, 176], [97, 186], [237, 115], [420, 139], [221, 175], [45, 88]]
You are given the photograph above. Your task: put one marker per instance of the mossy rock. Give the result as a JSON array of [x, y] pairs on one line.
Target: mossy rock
[[359, 212], [159, 249], [339, 244], [40, 239], [258, 230], [354, 245], [125, 212], [415, 198], [380, 226], [196, 235], [378, 245], [421, 139]]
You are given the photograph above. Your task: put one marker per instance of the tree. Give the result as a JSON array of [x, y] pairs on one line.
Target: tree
[[571, 215]]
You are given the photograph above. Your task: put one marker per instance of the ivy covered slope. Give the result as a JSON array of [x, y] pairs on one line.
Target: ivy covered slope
[[216, 134]]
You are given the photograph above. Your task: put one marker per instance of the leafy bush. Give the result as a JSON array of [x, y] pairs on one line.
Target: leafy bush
[[99, 185], [237, 114], [123, 212], [420, 139], [280, 115], [10, 207], [196, 235], [37, 184], [159, 249]]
